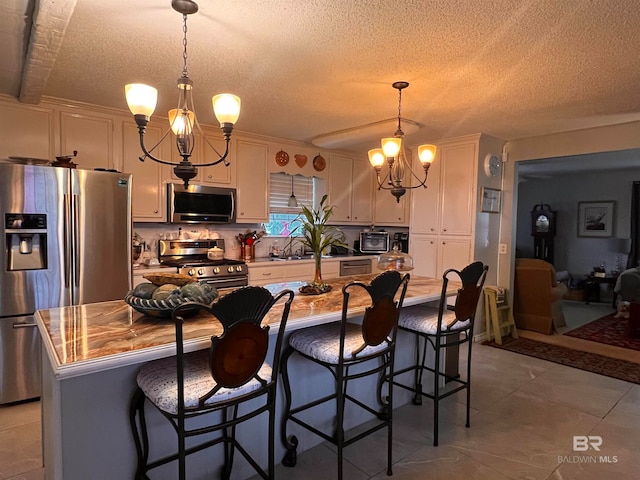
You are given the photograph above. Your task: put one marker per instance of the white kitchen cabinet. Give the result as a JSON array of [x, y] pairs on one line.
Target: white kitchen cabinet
[[26, 131], [433, 254], [202, 153], [454, 252], [91, 136], [458, 187], [253, 181], [350, 190], [446, 206], [362, 192], [425, 202], [148, 187], [265, 273], [424, 250], [388, 211], [443, 215]]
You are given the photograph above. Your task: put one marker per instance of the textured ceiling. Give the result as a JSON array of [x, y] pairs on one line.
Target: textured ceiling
[[510, 69]]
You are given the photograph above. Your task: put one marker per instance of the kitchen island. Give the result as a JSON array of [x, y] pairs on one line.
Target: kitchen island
[[93, 352]]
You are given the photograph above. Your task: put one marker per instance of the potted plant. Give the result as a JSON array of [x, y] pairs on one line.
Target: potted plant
[[317, 237]]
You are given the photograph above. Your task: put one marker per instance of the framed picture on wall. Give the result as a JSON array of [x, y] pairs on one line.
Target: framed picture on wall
[[490, 200], [595, 219]]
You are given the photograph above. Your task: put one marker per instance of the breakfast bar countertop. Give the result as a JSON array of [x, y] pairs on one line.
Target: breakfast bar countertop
[[85, 339]]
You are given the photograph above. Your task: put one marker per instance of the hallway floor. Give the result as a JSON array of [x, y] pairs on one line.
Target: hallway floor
[[525, 413]]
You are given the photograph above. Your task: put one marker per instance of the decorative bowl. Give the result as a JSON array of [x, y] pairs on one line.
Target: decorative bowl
[[163, 308]]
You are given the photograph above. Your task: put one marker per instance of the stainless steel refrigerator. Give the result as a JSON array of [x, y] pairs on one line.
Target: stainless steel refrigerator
[[66, 240]]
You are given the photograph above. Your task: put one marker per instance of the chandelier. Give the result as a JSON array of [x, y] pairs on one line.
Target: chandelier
[[393, 152], [142, 101]]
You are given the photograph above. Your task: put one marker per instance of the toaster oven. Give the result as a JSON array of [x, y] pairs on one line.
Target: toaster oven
[[374, 242]]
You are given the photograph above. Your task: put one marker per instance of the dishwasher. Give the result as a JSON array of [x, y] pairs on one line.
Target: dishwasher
[[355, 267]]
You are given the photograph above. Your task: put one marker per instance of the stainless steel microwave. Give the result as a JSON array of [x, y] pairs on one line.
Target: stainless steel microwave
[[374, 242], [200, 204]]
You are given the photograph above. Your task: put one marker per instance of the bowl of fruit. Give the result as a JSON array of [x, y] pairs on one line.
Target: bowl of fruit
[[163, 293]]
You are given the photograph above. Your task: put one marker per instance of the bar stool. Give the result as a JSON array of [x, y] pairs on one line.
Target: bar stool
[[442, 329], [190, 388], [498, 314], [341, 346]]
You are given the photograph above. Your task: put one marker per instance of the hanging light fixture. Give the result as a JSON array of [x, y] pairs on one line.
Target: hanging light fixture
[[142, 101], [393, 152], [293, 201]]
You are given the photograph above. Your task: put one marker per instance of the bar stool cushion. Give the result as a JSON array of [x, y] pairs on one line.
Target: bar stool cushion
[[323, 342], [158, 381], [424, 319]]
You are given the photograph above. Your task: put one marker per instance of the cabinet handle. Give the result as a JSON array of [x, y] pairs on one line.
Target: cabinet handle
[[432, 229], [444, 229], [155, 211], [266, 274], [241, 213]]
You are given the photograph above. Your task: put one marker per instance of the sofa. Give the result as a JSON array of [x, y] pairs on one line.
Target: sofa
[[537, 296], [627, 287]]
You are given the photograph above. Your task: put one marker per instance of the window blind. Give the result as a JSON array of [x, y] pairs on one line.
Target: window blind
[[280, 191]]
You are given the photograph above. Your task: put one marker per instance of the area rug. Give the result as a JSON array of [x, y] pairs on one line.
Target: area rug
[[607, 330], [591, 362]]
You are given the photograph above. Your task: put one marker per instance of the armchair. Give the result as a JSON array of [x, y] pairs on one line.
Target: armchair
[[537, 299], [627, 287]]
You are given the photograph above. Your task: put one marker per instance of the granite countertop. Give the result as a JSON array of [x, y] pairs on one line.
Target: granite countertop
[[263, 260], [88, 338]]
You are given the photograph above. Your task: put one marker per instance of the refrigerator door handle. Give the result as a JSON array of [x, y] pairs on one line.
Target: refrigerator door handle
[[66, 241], [76, 242], [24, 325]]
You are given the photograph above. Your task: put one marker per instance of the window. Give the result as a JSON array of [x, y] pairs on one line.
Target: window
[[281, 216]]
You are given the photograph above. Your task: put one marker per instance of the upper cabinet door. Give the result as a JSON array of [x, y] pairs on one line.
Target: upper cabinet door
[[340, 188], [33, 124], [91, 136], [218, 174], [425, 201], [387, 210], [458, 163], [253, 185], [362, 192], [147, 190]]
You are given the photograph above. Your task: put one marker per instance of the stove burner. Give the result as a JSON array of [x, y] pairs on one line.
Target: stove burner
[[190, 258], [191, 262]]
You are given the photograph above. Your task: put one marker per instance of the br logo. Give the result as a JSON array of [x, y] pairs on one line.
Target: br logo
[[582, 443]]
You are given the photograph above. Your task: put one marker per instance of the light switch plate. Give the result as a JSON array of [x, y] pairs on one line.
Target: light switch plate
[[502, 249]]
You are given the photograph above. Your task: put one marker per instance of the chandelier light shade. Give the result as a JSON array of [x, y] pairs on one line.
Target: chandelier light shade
[[392, 152], [142, 100]]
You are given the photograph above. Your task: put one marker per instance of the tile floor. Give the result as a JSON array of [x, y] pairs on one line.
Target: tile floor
[[525, 413]]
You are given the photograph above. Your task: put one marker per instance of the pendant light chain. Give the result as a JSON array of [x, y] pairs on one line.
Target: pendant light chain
[[184, 44], [399, 110]]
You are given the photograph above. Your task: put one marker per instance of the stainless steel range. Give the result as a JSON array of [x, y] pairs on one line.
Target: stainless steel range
[[190, 256]]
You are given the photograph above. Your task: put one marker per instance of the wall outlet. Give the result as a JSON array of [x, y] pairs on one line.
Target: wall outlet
[[502, 249]]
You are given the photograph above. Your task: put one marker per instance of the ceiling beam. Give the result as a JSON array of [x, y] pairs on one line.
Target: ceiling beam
[[50, 20]]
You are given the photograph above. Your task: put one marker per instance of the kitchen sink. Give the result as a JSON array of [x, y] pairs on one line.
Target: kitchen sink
[[296, 257]]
